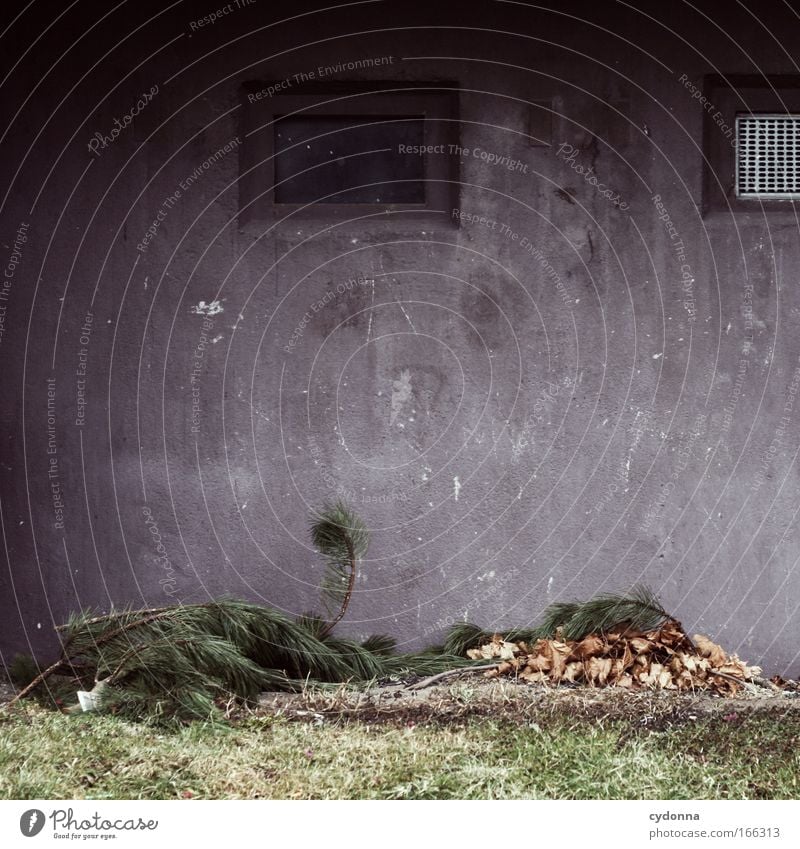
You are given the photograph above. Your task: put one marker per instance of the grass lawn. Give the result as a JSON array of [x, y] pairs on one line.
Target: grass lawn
[[457, 743]]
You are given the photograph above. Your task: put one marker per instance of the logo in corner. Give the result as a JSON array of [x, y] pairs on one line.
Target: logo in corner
[[31, 822]]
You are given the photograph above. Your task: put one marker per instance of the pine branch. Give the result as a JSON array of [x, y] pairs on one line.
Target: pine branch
[[639, 609], [342, 538]]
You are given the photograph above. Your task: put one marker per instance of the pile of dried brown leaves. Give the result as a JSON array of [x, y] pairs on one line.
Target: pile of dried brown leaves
[[664, 658]]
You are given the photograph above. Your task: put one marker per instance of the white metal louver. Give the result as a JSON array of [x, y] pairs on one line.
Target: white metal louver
[[768, 157]]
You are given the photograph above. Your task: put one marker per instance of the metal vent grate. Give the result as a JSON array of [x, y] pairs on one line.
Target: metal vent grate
[[768, 157]]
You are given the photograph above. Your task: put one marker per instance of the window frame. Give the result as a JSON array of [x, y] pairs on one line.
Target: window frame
[[729, 97], [435, 103]]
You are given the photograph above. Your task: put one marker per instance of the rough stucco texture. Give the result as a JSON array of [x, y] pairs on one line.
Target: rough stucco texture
[[566, 397]]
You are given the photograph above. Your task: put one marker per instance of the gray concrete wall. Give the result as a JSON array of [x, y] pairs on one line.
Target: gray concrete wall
[[553, 402]]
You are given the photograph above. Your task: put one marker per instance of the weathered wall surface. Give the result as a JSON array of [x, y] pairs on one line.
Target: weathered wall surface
[[563, 398]]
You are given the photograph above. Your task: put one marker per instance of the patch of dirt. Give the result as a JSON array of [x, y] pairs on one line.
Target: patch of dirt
[[456, 701]]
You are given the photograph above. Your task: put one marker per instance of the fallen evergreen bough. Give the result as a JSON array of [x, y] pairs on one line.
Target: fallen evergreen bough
[[637, 609], [186, 662]]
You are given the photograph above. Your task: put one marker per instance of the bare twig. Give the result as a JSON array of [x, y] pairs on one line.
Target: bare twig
[[104, 638], [38, 680], [760, 682], [106, 616], [433, 679]]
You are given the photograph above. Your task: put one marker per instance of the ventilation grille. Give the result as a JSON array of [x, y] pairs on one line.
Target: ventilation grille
[[768, 157]]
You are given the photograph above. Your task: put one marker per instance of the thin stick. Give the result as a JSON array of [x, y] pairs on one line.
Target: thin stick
[[38, 680], [761, 682], [104, 638], [426, 682], [118, 613]]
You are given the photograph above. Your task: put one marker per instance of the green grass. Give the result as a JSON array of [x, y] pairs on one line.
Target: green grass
[[49, 755]]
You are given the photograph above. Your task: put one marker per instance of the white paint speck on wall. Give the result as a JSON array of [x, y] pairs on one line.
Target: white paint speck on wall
[[212, 308]]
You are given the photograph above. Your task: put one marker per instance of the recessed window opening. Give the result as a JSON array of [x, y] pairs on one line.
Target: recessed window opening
[[349, 151]]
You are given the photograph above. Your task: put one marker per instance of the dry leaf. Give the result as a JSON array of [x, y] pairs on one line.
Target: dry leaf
[[712, 651], [640, 645], [589, 647], [539, 663], [533, 677], [508, 650], [665, 680], [597, 670]]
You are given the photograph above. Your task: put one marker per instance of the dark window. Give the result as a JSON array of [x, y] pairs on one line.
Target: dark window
[[349, 149], [349, 159]]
